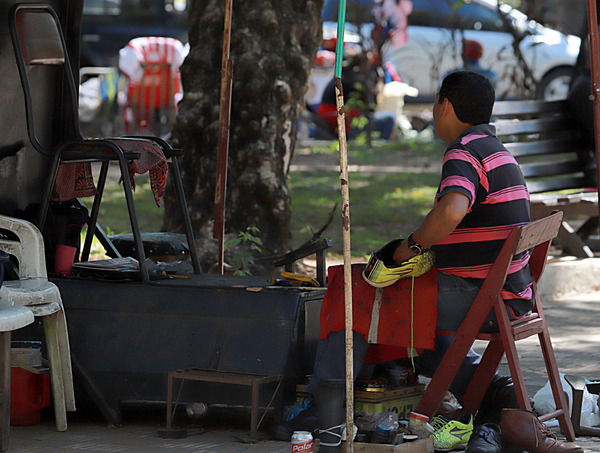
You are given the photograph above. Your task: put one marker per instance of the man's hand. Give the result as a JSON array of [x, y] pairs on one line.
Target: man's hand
[[439, 223]]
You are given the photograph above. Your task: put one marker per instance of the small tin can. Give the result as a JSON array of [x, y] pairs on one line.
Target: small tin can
[[302, 442]]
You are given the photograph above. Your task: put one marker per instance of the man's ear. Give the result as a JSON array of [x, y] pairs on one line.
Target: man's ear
[[447, 107]]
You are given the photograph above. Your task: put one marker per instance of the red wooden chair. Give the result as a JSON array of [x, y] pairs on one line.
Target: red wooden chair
[[537, 236]]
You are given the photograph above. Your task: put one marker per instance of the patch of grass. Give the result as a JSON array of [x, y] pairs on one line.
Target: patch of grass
[[113, 209], [382, 207]]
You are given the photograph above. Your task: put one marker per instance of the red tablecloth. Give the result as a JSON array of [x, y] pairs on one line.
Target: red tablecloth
[[392, 331]]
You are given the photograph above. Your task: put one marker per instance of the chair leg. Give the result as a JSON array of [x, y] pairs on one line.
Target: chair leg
[[483, 376], [443, 376], [65, 360], [56, 375], [5, 389], [566, 424]]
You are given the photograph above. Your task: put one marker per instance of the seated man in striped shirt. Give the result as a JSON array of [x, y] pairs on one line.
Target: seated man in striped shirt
[[482, 196]]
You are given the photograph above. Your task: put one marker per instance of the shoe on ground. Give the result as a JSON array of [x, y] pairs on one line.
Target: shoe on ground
[[521, 428], [453, 435], [307, 420], [486, 438]]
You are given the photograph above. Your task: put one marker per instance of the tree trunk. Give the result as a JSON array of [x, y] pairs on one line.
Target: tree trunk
[[273, 45]]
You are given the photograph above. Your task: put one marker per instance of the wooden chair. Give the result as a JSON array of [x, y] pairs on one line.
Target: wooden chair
[[537, 236]]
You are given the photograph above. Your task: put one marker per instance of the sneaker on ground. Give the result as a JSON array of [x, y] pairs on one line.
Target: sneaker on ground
[[453, 435]]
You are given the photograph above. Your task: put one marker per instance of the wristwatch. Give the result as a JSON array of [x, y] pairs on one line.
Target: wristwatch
[[414, 247]]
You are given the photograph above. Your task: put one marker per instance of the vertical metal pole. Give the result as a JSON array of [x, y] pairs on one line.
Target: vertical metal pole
[[223, 147], [341, 121], [595, 73]]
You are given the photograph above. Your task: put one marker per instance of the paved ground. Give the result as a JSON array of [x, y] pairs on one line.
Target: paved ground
[[573, 324]]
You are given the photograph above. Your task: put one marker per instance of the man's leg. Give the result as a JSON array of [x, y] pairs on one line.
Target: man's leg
[[330, 360], [327, 384], [455, 296]]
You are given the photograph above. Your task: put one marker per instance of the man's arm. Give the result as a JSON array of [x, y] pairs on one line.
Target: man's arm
[[439, 223]]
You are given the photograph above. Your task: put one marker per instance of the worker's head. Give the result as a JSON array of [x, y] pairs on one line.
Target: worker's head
[[465, 99]]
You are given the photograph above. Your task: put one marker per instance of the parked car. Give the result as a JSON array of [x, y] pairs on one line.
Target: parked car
[[108, 25], [434, 48]]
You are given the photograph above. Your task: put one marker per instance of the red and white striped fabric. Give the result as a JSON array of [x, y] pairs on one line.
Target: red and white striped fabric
[[152, 50]]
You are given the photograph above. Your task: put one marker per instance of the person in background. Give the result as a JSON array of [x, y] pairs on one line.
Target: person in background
[[358, 83], [472, 53]]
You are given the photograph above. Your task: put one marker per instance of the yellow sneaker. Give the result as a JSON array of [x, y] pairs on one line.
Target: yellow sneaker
[[382, 271], [453, 435]]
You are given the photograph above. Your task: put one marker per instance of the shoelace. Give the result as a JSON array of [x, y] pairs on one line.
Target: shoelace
[[438, 423], [486, 435], [545, 430]]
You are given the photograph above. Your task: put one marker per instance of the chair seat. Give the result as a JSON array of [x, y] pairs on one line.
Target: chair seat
[[13, 318], [31, 291], [45, 309]]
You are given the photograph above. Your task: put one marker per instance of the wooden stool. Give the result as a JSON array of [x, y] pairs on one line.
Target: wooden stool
[[536, 235], [253, 380]]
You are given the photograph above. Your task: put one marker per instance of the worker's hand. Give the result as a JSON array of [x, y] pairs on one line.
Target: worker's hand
[[379, 274]]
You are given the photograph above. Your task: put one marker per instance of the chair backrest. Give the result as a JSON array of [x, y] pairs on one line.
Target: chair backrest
[[28, 248], [535, 238], [39, 43]]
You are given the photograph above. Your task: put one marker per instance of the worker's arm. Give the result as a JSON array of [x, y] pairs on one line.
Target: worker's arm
[[439, 223]]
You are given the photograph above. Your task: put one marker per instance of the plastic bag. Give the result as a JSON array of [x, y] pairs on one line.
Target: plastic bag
[[544, 402], [368, 422]]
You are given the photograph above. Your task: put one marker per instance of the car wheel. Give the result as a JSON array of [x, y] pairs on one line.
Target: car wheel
[[555, 84]]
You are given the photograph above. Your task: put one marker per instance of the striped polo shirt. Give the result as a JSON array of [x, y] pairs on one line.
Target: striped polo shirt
[[477, 165]]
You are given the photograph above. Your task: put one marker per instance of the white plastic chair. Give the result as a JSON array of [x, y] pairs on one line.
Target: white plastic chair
[[11, 318], [42, 297]]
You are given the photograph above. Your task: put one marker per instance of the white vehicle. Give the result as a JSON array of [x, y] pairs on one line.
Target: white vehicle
[[434, 47]]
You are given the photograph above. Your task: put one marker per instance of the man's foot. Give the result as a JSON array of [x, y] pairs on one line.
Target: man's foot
[[307, 420], [452, 435], [486, 438]]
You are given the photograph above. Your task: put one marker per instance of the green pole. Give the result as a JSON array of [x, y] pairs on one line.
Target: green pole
[[339, 48]]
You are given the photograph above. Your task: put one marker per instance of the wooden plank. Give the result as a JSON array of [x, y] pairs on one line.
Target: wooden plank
[[418, 446], [542, 147], [540, 125], [556, 184], [530, 107], [542, 169]]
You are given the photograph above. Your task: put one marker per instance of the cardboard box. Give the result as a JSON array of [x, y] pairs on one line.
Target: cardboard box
[[402, 400]]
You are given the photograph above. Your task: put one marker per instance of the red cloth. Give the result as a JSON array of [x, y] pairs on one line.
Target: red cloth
[[394, 332], [76, 181], [151, 160]]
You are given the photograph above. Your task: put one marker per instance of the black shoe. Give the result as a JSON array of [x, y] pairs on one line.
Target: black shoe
[[500, 394], [307, 420], [485, 439]]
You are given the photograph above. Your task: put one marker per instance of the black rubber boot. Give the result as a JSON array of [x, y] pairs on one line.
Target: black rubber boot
[[329, 398]]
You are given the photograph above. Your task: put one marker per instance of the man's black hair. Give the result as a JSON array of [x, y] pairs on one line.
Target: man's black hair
[[472, 96]]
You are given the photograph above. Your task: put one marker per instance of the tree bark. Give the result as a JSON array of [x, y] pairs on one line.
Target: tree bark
[[273, 45]]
